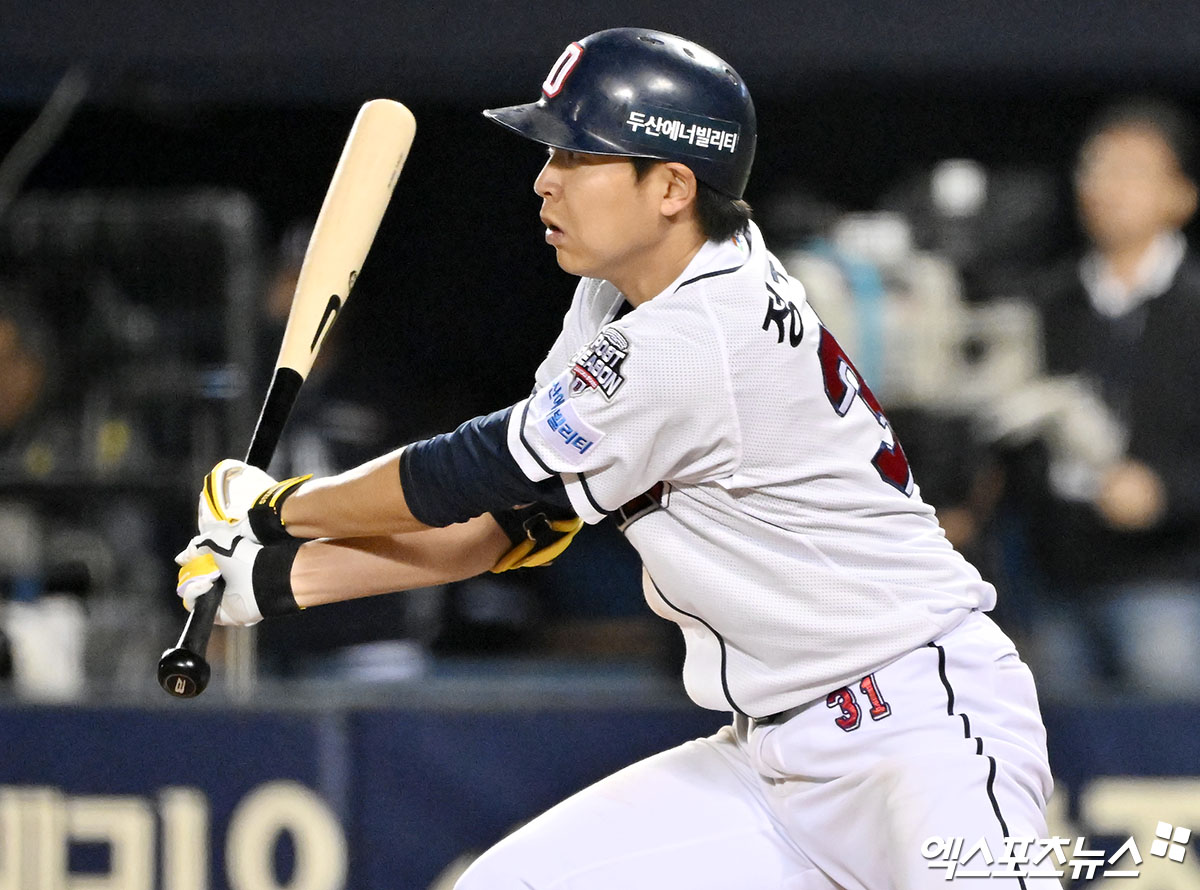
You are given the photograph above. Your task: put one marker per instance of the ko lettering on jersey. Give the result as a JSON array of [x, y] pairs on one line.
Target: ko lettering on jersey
[[756, 475], [559, 424]]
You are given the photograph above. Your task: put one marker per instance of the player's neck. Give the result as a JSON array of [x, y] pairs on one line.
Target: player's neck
[[662, 264]]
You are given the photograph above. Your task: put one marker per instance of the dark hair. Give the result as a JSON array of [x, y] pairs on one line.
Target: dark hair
[[1165, 118], [720, 216]]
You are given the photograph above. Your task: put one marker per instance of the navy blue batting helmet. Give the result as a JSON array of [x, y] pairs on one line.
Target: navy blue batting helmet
[[639, 93]]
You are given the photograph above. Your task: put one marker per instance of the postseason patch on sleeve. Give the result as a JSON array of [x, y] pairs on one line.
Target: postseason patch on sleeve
[[598, 365], [560, 426]]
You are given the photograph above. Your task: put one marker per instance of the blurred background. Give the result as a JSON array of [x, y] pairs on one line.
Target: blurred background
[[988, 204]]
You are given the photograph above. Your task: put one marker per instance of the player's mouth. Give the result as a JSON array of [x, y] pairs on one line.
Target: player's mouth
[[554, 234]]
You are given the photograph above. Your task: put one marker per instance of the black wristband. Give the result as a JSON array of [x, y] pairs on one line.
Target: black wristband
[[531, 522], [513, 524], [271, 577], [266, 515]]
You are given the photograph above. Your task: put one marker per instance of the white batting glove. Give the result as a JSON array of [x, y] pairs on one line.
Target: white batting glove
[[257, 578], [232, 559], [239, 497], [229, 491]]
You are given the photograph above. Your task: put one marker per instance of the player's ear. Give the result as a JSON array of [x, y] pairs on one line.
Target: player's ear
[[678, 187]]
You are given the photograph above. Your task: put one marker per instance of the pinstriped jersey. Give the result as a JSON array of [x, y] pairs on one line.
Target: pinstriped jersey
[[756, 475]]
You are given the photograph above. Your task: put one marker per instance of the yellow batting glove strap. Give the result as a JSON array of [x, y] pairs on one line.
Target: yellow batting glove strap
[[512, 559], [266, 513], [567, 528], [280, 490], [532, 553]]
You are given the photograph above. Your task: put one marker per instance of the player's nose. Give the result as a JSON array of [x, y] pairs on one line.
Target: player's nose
[[547, 182]]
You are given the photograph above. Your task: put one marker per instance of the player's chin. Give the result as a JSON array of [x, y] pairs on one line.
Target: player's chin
[[570, 263]]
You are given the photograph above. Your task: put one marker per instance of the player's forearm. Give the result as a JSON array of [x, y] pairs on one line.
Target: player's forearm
[[367, 501], [327, 571], [437, 482]]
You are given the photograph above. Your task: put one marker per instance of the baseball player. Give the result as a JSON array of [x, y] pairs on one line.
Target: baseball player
[[695, 399]]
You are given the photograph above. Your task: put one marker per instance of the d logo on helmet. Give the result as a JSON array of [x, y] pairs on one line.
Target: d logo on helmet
[[561, 70]]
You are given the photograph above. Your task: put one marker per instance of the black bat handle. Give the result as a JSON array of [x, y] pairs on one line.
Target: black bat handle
[[182, 671]]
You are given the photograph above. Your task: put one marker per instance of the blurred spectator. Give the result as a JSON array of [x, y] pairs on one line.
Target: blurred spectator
[[77, 533], [996, 225], [32, 439], [41, 631], [1110, 481]]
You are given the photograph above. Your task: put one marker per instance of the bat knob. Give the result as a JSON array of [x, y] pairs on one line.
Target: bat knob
[[183, 674]]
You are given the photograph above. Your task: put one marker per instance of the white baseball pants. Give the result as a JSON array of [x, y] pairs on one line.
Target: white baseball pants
[[946, 742]]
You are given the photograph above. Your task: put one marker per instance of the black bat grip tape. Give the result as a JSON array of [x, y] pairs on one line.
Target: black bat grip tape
[[182, 671]]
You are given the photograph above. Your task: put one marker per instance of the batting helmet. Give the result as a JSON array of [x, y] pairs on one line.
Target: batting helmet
[[638, 93]]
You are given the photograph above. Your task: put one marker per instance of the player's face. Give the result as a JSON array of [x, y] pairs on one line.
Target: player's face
[[1130, 187], [602, 221]]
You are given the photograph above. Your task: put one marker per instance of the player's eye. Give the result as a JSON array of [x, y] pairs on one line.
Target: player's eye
[[564, 157]]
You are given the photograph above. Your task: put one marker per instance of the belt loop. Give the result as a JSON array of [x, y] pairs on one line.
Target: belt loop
[[780, 717]]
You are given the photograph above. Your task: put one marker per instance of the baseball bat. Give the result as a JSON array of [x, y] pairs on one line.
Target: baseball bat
[[354, 204]]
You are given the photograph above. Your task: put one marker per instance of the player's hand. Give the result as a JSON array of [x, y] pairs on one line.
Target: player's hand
[[258, 578], [247, 500], [200, 566], [230, 490]]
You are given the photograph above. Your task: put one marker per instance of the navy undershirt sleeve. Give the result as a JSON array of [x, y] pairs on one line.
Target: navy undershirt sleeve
[[457, 476]]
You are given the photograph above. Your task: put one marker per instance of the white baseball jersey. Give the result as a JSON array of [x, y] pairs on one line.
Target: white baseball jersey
[[754, 473]]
